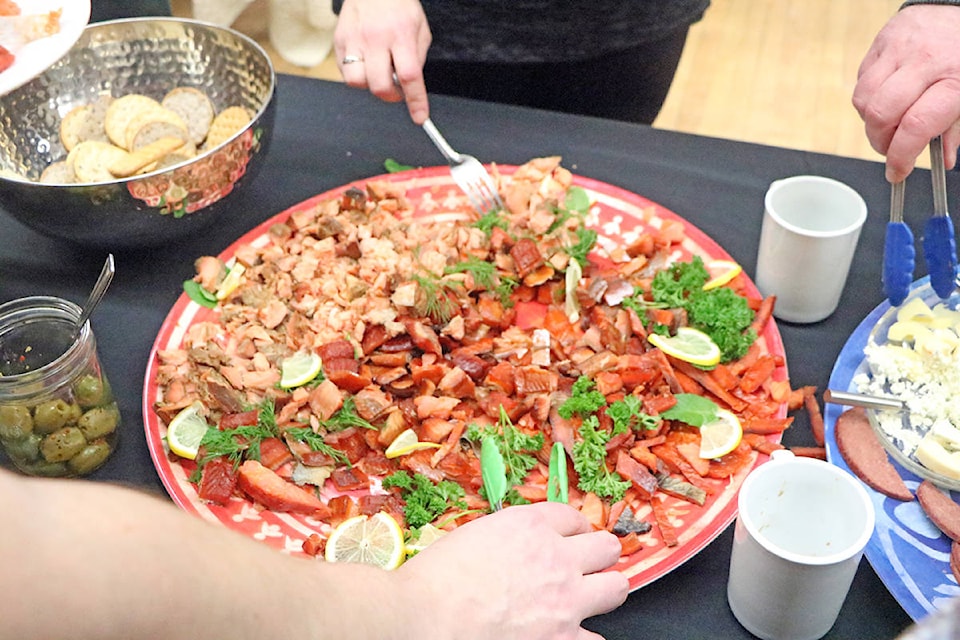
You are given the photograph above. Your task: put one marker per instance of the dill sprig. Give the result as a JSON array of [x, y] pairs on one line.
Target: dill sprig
[[243, 442], [586, 239], [315, 441], [345, 417], [504, 290], [484, 273], [434, 299], [491, 219]]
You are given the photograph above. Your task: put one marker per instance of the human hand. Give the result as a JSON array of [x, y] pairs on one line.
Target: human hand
[[527, 572], [386, 37], [908, 87]]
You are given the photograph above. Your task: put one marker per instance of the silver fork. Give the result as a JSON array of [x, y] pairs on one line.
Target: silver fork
[[468, 173]]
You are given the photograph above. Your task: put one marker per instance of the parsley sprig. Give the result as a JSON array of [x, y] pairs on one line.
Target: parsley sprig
[[425, 501], [589, 461]]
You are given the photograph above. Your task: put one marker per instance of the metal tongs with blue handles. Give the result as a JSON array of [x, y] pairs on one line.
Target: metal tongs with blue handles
[[939, 244]]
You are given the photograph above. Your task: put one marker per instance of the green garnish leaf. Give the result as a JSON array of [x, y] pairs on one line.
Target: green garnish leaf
[[586, 239], [557, 487], [392, 166], [199, 295], [434, 297], [489, 220], [590, 462], [577, 201], [584, 400], [628, 414], [315, 441], [493, 471], [725, 317], [345, 417], [691, 409], [484, 273], [425, 501], [673, 285], [517, 448], [720, 313]]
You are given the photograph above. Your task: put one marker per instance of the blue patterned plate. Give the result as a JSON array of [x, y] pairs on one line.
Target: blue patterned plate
[[907, 551]]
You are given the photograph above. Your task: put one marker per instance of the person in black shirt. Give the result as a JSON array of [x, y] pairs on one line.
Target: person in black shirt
[[607, 58], [101, 10]]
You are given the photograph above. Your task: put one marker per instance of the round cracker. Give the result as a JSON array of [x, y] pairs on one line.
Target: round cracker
[[121, 111], [148, 117], [154, 130], [194, 107], [225, 125], [60, 172], [91, 158]]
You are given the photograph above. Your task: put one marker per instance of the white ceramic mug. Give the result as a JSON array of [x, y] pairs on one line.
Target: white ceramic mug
[[800, 533], [811, 225]]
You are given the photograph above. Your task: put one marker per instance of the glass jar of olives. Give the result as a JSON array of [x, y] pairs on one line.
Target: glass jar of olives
[[57, 413]]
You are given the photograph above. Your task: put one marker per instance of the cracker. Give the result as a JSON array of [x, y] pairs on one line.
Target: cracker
[[226, 124], [154, 130], [129, 163], [85, 122], [91, 159], [121, 111], [194, 107], [149, 117], [59, 172]]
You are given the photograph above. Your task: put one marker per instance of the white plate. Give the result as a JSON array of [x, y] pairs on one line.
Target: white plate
[[35, 57]]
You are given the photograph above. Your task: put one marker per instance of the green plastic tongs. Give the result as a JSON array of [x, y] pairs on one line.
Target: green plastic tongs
[[939, 244]]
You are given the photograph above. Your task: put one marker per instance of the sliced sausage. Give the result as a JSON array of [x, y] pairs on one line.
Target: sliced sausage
[[866, 457], [940, 508]]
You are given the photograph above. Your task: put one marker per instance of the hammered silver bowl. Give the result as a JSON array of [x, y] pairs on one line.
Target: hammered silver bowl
[[149, 56]]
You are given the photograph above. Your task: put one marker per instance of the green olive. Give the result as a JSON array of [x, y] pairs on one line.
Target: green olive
[[75, 413], [62, 445], [45, 469], [90, 457], [91, 391], [51, 415], [15, 422], [99, 421], [25, 449]]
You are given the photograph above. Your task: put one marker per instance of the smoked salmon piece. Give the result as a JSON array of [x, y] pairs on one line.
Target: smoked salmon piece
[[866, 457], [273, 492]]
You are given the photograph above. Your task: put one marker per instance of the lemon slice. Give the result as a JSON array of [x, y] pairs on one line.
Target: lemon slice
[[690, 345], [231, 282], [428, 535], [720, 436], [407, 442], [376, 540], [299, 369], [186, 431], [721, 272]]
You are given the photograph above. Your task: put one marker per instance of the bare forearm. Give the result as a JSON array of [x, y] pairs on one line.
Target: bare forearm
[[104, 562]]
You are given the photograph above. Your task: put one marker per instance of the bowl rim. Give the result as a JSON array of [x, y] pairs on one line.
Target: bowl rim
[[95, 26], [878, 335]]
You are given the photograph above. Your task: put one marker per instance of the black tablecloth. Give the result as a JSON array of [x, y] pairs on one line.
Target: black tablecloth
[[327, 135]]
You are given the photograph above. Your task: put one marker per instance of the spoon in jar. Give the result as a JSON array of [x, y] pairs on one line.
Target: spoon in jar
[[96, 295]]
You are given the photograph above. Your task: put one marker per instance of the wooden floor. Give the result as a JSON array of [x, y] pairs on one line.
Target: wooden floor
[[778, 72]]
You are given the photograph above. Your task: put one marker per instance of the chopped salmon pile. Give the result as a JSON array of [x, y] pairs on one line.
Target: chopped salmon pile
[[449, 325]]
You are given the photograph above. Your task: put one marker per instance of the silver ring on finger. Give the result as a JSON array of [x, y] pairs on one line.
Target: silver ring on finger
[[349, 59]]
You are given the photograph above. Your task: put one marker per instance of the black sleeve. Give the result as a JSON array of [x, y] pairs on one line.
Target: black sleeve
[[337, 5]]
